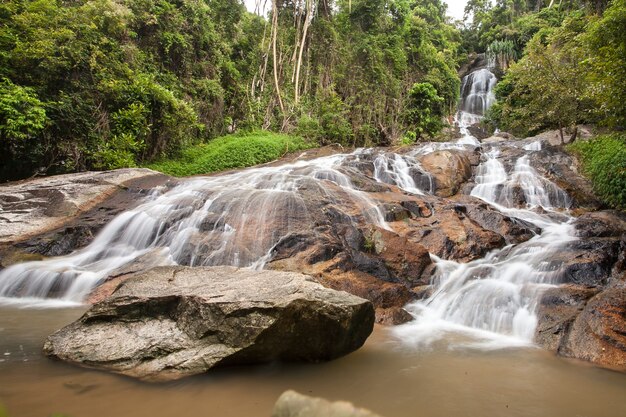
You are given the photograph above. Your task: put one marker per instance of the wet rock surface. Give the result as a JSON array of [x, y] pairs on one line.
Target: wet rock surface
[[31, 207], [598, 334], [565, 171], [585, 318], [54, 216], [450, 169], [172, 322], [355, 228]]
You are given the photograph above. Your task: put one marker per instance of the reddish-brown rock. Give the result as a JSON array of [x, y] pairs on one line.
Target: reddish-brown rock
[[599, 333], [450, 169]]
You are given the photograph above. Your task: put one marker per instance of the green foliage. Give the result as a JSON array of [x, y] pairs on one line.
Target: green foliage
[[121, 82], [502, 53], [424, 111], [570, 74], [361, 59], [229, 152], [100, 84], [22, 119], [606, 43], [604, 161], [22, 114], [332, 114]]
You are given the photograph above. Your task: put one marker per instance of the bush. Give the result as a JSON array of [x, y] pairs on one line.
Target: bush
[[22, 118], [604, 161], [425, 110], [229, 152]]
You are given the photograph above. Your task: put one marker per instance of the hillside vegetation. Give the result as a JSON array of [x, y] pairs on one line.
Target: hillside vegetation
[[229, 152], [100, 84], [560, 65]]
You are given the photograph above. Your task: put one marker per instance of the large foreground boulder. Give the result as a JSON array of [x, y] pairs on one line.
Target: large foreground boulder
[[292, 404], [171, 322]]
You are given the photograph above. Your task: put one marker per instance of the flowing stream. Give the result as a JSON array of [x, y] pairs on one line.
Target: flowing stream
[[233, 219], [493, 300]]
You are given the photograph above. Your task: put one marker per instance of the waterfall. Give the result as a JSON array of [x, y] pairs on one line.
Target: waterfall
[[402, 171], [476, 98], [524, 187], [477, 93], [233, 219], [491, 302]]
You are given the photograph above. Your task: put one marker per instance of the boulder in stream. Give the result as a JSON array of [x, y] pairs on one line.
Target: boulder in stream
[[585, 317], [449, 168], [172, 322], [293, 404]]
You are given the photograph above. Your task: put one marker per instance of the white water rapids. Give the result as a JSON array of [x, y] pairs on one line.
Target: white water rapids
[[233, 219], [491, 302]]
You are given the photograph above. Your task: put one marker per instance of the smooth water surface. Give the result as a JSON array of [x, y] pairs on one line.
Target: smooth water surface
[[384, 376]]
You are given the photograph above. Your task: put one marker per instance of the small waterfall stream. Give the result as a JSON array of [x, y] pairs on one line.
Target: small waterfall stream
[[476, 96], [491, 302]]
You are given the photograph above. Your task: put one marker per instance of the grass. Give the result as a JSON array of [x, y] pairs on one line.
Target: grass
[[229, 152], [604, 162]]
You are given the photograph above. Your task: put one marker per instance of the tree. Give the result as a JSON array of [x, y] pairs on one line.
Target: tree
[[547, 88], [22, 118], [425, 110], [606, 43]]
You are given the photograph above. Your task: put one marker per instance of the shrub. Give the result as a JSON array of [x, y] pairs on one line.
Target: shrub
[[229, 152], [604, 161], [425, 110]]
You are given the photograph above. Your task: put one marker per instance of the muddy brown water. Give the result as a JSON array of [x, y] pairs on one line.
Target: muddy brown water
[[383, 376]]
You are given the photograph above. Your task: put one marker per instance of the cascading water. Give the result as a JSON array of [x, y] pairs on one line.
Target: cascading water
[[237, 219], [402, 171], [476, 98], [493, 300], [233, 219], [476, 95]]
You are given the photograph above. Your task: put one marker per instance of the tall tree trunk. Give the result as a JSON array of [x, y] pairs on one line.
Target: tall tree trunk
[[307, 23], [274, 36], [574, 135]]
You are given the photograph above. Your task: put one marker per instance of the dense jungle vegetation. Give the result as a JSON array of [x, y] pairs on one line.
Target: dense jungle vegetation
[[111, 83], [101, 84]]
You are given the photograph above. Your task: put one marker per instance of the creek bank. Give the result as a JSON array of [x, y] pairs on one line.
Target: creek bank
[[172, 322]]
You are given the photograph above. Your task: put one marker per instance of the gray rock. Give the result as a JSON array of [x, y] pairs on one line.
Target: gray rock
[[171, 322], [292, 404], [32, 207], [607, 223]]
